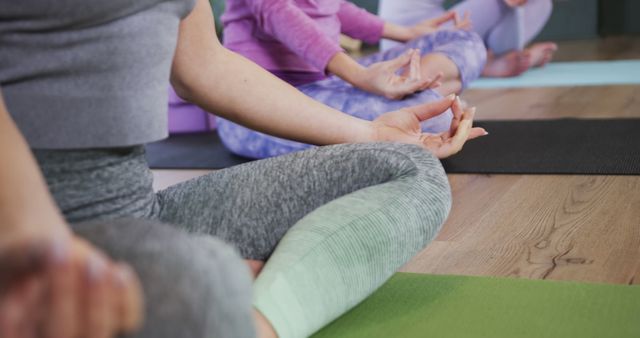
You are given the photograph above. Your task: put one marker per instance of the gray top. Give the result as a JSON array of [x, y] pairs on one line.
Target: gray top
[[88, 73]]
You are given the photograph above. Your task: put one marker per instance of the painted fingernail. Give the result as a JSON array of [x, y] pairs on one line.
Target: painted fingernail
[[486, 133], [60, 250], [123, 276], [96, 267]]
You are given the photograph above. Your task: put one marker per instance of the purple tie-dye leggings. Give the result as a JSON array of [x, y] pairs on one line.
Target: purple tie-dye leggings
[[465, 49]]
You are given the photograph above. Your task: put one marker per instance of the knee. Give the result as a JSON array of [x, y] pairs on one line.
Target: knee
[[467, 50], [477, 47], [199, 288], [419, 178], [422, 172], [431, 191], [219, 273], [193, 286]]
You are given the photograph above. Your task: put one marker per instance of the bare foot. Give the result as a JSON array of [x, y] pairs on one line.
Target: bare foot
[[511, 64], [542, 53]]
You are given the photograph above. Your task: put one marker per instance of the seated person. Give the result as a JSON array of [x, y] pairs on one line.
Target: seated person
[[99, 253], [297, 41], [506, 26]]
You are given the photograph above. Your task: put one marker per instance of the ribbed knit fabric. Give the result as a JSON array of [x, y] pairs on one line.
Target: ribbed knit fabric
[[340, 253], [341, 220]]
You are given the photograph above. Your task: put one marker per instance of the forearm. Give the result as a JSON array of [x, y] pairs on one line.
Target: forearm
[[25, 202], [235, 88], [346, 68], [397, 33], [359, 24]]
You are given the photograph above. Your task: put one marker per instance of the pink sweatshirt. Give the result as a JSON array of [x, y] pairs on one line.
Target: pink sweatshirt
[[295, 36]]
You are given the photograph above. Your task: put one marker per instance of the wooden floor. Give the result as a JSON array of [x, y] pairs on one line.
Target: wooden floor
[[583, 228]]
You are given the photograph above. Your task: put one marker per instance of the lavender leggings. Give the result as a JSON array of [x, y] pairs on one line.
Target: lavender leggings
[[502, 28], [465, 49]]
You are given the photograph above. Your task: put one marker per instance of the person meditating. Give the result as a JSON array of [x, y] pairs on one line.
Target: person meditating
[[298, 41], [506, 27], [278, 247]]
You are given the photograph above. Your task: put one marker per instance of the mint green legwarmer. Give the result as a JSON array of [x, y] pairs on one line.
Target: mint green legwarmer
[[340, 253]]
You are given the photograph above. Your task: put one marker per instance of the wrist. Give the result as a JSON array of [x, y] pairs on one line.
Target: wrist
[[398, 33], [409, 33], [358, 76], [51, 225], [364, 132], [343, 66]]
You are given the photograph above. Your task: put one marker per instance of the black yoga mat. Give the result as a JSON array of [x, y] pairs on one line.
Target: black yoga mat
[[565, 146], [191, 151]]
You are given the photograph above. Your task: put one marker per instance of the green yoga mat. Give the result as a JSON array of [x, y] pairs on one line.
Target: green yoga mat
[[560, 74], [416, 305]]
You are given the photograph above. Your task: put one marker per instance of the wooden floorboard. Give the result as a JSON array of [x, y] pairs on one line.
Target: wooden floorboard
[[581, 228], [584, 228], [555, 102], [610, 48]]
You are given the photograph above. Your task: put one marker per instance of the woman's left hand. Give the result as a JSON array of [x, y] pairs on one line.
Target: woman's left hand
[[382, 78], [432, 25], [404, 126]]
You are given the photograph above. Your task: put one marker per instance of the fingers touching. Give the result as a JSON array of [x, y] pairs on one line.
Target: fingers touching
[[464, 23], [450, 142], [414, 66], [401, 61], [428, 110], [444, 18]]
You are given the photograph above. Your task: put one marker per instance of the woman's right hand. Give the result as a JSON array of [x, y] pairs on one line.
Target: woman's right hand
[[383, 78], [435, 24], [404, 126], [65, 288]]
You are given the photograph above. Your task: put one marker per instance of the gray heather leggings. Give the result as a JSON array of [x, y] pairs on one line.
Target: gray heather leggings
[[334, 223]]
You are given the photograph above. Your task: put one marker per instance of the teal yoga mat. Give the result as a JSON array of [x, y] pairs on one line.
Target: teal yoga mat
[[416, 305], [560, 74]]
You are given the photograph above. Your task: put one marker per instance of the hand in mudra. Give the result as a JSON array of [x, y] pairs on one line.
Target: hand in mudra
[[383, 78], [404, 126]]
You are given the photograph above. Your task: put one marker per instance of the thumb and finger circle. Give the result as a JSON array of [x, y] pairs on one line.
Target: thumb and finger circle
[[430, 109]]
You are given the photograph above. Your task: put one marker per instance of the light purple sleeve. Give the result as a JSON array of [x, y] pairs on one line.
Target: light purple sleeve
[[287, 23], [360, 24]]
